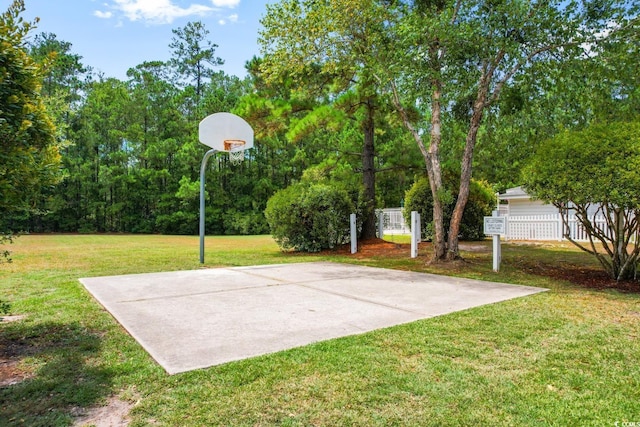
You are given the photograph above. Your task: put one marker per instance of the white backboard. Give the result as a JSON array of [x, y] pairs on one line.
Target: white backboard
[[220, 127]]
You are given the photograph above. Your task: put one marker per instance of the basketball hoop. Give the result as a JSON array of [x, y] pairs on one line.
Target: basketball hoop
[[222, 132], [235, 148]]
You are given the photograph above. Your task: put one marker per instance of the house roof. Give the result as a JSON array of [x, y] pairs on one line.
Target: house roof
[[515, 193]]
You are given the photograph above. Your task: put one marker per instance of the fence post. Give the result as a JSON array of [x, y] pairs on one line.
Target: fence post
[[354, 233], [559, 228], [506, 227]]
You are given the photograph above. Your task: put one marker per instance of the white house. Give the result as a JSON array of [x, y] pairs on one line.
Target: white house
[[520, 203], [529, 219]]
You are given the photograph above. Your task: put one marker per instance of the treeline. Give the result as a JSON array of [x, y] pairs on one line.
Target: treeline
[[131, 157]]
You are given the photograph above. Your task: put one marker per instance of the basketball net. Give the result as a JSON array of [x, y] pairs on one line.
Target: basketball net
[[235, 148]]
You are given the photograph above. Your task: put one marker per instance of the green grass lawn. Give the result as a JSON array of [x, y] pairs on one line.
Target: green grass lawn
[[567, 357]]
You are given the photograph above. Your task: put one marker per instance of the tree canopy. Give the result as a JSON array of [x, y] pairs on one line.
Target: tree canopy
[[29, 151], [455, 59], [194, 54], [332, 49]]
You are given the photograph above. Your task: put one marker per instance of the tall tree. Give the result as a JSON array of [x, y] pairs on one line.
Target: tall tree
[[458, 50], [104, 118], [64, 81], [29, 152], [156, 131], [63, 69], [194, 55], [331, 49]]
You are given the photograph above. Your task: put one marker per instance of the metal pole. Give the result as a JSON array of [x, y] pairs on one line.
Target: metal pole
[[203, 169]]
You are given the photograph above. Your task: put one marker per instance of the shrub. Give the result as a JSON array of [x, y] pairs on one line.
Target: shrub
[[481, 200], [309, 218], [595, 173]]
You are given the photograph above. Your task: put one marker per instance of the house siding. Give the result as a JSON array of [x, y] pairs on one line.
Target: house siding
[[530, 207]]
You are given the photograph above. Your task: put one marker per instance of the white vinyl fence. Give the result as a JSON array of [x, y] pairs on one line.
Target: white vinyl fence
[[519, 227], [546, 227], [393, 221]]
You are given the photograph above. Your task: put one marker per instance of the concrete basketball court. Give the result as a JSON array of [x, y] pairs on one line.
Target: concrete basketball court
[[195, 319]]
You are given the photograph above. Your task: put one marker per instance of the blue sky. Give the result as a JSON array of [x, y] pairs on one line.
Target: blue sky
[[115, 35]]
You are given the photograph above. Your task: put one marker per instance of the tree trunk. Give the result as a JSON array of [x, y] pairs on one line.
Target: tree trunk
[[431, 160], [368, 174], [435, 173], [465, 172]]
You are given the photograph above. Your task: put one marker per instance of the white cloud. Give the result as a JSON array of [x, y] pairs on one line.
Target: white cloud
[[103, 15], [225, 3], [159, 11], [164, 11]]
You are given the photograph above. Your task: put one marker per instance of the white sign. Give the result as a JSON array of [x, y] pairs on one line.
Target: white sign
[[495, 225]]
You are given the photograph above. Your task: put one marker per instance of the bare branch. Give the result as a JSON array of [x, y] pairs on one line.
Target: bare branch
[[407, 122]]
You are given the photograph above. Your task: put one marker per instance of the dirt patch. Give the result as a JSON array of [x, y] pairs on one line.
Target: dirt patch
[[115, 413], [380, 248], [9, 319], [11, 373], [475, 247], [10, 356]]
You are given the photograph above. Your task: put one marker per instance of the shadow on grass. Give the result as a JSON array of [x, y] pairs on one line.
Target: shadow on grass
[[60, 373]]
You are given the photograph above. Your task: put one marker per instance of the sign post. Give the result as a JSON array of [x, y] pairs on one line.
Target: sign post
[[495, 226]]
